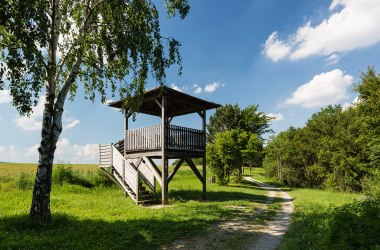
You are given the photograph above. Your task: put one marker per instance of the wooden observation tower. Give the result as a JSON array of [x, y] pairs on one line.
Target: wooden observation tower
[[130, 162]]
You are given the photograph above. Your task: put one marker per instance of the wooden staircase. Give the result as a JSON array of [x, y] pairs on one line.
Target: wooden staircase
[[132, 175]]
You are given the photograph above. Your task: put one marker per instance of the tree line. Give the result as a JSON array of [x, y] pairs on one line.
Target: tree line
[[338, 148]]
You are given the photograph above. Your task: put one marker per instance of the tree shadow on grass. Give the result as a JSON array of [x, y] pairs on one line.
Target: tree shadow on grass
[[237, 194], [68, 232]]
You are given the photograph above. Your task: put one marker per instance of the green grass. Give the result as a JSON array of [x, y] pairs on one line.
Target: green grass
[[103, 218], [325, 219]]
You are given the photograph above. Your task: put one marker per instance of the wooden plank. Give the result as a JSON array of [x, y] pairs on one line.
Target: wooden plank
[[194, 168], [175, 170]]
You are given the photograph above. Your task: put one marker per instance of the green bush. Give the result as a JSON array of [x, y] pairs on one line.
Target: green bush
[[99, 179], [65, 174], [25, 181], [371, 185], [355, 225]]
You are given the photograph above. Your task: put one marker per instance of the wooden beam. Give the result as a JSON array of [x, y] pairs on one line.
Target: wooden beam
[[156, 172], [138, 162], [194, 168], [125, 132], [175, 170], [201, 113], [158, 103], [204, 155]]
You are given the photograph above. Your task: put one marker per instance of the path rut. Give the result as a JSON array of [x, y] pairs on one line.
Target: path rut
[[240, 233]]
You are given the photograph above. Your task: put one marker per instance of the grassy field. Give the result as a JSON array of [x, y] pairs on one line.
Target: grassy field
[[99, 216], [103, 218]]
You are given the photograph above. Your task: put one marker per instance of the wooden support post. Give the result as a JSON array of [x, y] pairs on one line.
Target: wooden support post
[[126, 116], [204, 154], [163, 151]]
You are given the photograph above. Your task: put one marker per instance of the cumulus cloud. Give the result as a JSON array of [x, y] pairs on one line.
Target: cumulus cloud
[[211, 87], [5, 96], [76, 153], [32, 153], [325, 88], [275, 48], [276, 117], [66, 151], [348, 105], [174, 86], [197, 89], [9, 153], [352, 24], [34, 121], [70, 123]]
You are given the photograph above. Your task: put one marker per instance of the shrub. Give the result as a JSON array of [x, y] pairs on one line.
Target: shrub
[[64, 174], [371, 184], [355, 225], [25, 182]]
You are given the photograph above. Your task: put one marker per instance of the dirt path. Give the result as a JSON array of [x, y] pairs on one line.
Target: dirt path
[[270, 236], [241, 233]]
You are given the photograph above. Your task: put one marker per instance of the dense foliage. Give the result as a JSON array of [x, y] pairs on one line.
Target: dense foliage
[[235, 140], [230, 117], [337, 148]]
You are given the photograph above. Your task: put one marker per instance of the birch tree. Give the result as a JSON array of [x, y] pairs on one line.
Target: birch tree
[[54, 47]]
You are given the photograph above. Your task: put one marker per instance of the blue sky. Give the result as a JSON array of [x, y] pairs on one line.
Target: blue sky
[[290, 57]]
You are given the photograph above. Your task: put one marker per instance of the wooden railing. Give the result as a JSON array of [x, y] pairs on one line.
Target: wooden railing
[[181, 138], [177, 138], [145, 138], [126, 171]]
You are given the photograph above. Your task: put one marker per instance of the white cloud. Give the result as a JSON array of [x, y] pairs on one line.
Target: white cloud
[[354, 25], [348, 105], [211, 87], [197, 89], [108, 101], [333, 59], [9, 154], [34, 121], [67, 152], [5, 96], [275, 48], [325, 88], [32, 153], [276, 117], [70, 123], [174, 86]]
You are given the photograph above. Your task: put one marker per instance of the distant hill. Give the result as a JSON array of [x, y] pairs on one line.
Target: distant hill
[[3, 162]]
